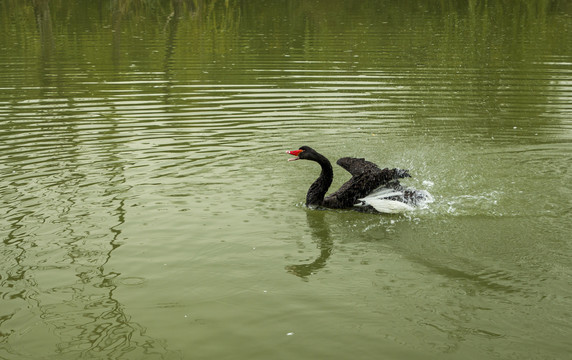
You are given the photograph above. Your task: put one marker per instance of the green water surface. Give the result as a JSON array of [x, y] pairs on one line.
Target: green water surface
[[147, 210]]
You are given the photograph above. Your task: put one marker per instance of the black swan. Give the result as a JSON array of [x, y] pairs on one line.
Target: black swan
[[370, 189]]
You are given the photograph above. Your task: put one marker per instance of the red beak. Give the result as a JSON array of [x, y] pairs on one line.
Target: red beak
[[295, 153]]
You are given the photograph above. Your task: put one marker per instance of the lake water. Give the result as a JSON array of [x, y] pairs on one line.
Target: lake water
[[148, 210]]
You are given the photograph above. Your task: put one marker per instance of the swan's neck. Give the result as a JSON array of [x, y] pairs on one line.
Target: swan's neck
[[318, 189]]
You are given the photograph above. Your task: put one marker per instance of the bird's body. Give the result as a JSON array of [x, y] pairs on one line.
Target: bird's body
[[369, 189]]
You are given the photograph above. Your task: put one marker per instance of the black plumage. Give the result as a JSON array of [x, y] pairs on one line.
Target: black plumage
[[366, 178]]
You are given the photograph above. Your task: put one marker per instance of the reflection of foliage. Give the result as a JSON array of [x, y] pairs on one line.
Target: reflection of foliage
[[214, 15], [61, 284], [474, 35], [308, 25]]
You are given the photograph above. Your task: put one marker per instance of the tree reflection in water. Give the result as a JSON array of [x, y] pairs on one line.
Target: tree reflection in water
[[60, 288]]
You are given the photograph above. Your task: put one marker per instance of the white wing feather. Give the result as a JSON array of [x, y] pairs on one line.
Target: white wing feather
[[378, 199], [386, 206]]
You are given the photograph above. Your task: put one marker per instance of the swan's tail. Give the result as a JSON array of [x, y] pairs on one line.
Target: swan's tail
[[391, 201]]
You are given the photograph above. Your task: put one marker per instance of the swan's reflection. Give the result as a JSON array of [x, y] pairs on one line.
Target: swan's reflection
[[321, 235]]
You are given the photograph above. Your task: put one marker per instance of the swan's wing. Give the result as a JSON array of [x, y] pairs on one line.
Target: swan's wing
[[357, 166], [366, 177], [385, 200], [389, 200], [359, 186], [386, 206]]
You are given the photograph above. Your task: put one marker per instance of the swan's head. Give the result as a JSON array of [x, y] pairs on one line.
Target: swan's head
[[303, 153]]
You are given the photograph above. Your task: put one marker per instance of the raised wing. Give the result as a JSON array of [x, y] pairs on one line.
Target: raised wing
[[366, 177], [357, 166]]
